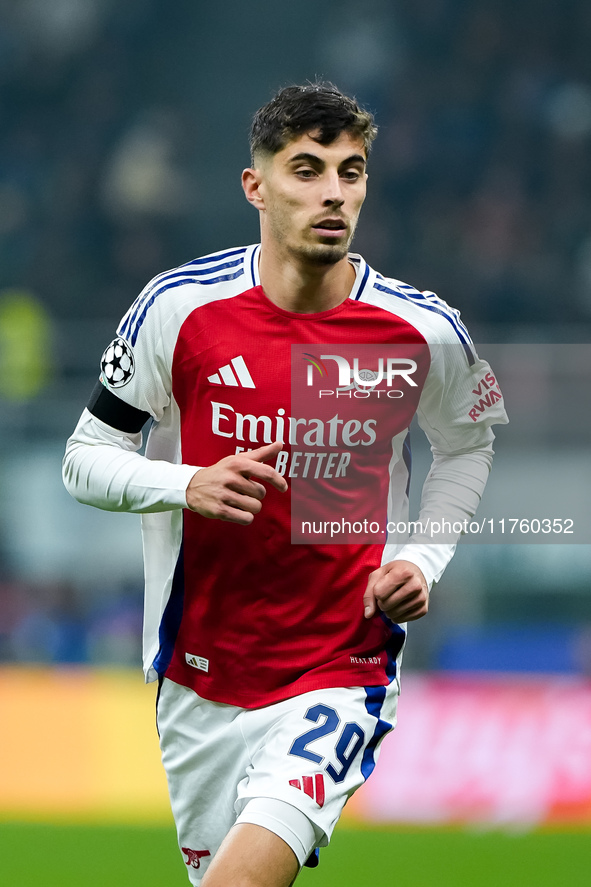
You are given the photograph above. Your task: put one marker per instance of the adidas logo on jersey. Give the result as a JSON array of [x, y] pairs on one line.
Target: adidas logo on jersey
[[313, 786], [199, 662], [234, 373]]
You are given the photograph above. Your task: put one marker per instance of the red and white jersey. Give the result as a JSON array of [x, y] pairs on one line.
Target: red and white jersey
[[240, 614]]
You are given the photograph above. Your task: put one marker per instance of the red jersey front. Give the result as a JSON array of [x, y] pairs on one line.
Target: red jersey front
[[242, 614]]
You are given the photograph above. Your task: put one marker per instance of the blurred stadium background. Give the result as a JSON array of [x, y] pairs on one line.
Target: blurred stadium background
[[123, 131]]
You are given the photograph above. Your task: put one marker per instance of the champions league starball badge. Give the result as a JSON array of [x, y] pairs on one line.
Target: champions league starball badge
[[117, 364]]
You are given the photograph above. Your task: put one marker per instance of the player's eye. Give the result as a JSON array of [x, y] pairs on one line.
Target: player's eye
[[305, 172], [351, 175]]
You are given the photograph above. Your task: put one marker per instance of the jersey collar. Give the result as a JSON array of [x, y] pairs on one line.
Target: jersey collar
[[363, 272]]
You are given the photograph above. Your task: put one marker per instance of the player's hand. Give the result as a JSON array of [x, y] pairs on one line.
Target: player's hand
[[228, 491], [399, 590]]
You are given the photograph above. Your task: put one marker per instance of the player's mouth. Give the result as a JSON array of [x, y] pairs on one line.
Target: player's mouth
[[331, 227]]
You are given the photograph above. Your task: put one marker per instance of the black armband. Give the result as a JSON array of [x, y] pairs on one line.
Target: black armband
[[115, 412]]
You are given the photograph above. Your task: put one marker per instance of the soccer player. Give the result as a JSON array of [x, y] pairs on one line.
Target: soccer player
[[279, 663]]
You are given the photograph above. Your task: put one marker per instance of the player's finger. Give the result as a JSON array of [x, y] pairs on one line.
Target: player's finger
[[266, 452], [260, 455], [369, 605], [413, 593], [402, 598], [369, 601], [242, 503], [237, 516], [247, 487], [407, 612], [266, 473], [385, 590], [399, 599], [401, 579], [417, 612]]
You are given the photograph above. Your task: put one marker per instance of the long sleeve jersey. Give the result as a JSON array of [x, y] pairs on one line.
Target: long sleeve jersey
[[251, 615]]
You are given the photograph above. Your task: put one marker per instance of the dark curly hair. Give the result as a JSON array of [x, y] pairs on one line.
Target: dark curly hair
[[296, 110]]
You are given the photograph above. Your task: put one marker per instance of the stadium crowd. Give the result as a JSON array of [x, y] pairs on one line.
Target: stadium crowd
[[482, 172]]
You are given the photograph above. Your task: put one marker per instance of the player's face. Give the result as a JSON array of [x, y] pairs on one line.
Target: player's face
[[311, 197]]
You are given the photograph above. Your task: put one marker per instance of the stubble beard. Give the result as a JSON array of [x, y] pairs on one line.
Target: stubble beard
[[315, 254], [321, 254]]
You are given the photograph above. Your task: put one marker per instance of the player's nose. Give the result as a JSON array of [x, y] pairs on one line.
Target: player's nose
[[332, 192]]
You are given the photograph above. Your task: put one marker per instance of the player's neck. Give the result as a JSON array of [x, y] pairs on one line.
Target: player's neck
[[304, 288]]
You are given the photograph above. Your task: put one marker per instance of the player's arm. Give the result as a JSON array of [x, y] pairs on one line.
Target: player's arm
[[462, 459], [102, 465], [451, 492], [103, 468]]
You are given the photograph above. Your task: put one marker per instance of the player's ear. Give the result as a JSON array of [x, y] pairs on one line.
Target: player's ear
[[251, 182]]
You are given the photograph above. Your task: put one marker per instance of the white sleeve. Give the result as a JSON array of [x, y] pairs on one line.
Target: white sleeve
[[103, 468], [459, 482], [459, 403]]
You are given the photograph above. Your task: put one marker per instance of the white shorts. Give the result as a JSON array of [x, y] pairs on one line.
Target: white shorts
[[289, 767]]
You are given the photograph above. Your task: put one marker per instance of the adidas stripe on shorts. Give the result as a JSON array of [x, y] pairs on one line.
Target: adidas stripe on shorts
[[289, 767]]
